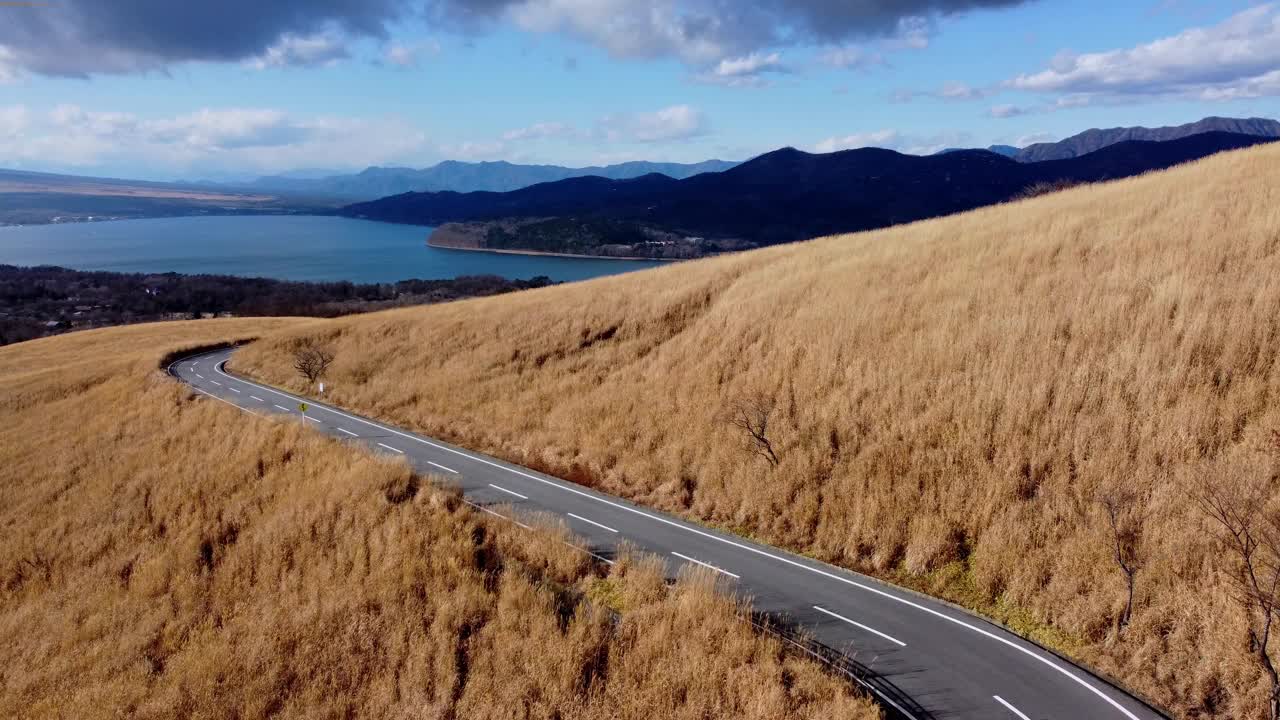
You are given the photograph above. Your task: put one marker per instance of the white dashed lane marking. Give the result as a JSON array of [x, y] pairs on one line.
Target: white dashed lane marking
[[707, 565], [592, 522], [509, 492]]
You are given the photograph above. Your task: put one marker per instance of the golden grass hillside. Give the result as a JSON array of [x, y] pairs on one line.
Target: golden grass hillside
[[950, 400], [163, 556]]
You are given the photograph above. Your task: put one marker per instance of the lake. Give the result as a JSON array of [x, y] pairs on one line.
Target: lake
[[289, 247]]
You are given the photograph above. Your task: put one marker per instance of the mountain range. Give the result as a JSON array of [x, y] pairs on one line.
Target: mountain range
[[1096, 139], [30, 197], [777, 197], [376, 182], [457, 176]]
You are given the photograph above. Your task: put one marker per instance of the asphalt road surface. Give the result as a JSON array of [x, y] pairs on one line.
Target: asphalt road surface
[[950, 663]]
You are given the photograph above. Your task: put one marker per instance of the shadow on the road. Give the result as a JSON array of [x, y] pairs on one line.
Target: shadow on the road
[[896, 704]]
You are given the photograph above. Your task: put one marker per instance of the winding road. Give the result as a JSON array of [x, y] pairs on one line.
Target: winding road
[[950, 663]]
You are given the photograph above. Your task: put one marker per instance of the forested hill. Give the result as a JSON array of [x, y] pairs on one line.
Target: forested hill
[[788, 195]]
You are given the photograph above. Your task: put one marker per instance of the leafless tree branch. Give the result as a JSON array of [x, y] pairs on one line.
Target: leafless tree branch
[[311, 361], [1249, 529], [751, 415], [1126, 517]]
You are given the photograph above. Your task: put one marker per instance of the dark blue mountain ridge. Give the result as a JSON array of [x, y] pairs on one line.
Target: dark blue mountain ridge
[[789, 194], [454, 175]]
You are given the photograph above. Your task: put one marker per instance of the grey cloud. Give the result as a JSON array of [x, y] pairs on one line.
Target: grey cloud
[[706, 31], [82, 37], [837, 19]]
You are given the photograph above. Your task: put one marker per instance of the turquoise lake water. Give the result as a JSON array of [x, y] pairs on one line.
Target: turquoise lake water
[[291, 247]]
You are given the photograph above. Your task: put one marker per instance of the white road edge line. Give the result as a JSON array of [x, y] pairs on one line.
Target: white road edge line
[[706, 565], [436, 464], [592, 522], [215, 397], [1011, 708], [601, 558], [788, 561], [504, 517], [394, 450], [482, 508], [855, 623], [255, 397], [509, 492], [308, 417]]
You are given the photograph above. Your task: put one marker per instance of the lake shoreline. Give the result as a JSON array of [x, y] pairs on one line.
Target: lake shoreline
[[541, 253], [308, 248]]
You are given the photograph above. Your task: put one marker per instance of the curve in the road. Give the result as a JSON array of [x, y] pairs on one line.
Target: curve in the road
[[949, 662]]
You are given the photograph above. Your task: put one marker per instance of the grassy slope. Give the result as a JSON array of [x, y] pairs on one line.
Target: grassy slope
[[952, 397], [162, 556]]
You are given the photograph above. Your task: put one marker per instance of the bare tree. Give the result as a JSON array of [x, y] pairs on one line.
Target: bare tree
[[751, 414], [1125, 516], [1250, 534], [311, 361]]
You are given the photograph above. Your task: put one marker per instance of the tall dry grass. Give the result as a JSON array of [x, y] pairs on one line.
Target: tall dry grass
[[951, 397], [163, 556]]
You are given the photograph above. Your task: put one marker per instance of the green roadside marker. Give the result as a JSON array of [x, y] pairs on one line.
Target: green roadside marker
[[302, 407]]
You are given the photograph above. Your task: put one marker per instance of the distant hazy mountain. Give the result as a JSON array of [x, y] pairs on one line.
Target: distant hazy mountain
[[1091, 140], [1005, 150], [452, 175], [789, 195], [37, 197]]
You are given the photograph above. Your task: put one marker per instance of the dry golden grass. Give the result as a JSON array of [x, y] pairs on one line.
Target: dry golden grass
[[952, 397], [163, 556]]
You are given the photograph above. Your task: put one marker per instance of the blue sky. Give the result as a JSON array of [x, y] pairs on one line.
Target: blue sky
[[135, 88]]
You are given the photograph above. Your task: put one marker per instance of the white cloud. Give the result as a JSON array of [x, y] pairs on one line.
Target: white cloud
[[401, 56], [302, 51], [914, 32], [409, 56], [220, 130], [9, 70], [894, 140], [850, 56], [476, 150], [678, 122], [1033, 138], [13, 121], [1237, 58], [1264, 85], [1007, 111], [620, 135], [752, 64], [239, 139], [878, 138], [746, 70], [539, 131], [960, 91], [952, 91]]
